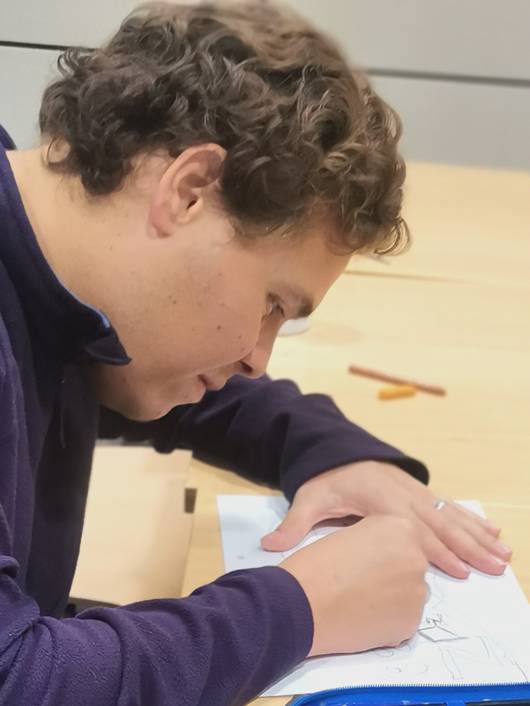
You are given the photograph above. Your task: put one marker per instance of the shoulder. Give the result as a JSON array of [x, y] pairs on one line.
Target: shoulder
[[6, 140]]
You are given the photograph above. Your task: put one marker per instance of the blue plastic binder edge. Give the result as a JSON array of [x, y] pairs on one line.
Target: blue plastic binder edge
[[414, 695]]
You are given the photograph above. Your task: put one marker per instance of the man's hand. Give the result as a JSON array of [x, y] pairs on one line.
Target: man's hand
[[365, 585], [448, 535]]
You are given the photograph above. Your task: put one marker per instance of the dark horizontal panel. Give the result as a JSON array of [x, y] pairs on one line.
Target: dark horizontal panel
[[471, 38], [32, 45], [457, 78]]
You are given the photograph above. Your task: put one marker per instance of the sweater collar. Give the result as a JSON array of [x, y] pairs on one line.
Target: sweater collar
[[67, 328]]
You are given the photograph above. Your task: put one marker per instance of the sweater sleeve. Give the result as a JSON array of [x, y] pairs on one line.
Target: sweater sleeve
[[221, 645], [266, 430]]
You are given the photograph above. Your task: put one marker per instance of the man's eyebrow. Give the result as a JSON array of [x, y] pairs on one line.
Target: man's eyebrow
[[306, 306]]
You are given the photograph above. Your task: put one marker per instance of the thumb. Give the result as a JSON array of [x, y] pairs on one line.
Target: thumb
[[292, 530]]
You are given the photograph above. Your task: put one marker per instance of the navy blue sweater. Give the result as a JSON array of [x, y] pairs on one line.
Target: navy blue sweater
[[229, 639]]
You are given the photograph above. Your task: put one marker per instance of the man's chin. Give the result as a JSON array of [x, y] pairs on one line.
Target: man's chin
[[146, 416], [139, 411], [142, 403], [143, 410]]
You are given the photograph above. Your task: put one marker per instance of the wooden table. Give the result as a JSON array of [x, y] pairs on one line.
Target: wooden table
[[124, 560], [457, 313]]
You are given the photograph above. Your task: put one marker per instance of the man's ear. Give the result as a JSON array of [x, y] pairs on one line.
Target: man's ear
[[181, 191]]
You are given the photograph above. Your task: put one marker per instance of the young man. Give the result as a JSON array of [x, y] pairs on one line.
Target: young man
[[201, 178]]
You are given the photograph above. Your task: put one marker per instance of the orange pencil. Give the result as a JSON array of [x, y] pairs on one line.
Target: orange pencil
[[395, 392]]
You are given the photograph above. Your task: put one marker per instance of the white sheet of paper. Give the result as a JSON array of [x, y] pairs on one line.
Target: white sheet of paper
[[474, 631]]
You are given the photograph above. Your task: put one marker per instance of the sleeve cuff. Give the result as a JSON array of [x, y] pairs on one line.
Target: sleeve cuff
[[281, 621], [341, 448]]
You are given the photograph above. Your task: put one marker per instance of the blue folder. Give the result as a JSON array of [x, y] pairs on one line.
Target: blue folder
[[483, 695]]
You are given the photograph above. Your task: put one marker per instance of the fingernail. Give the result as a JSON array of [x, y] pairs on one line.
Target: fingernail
[[464, 568], [503, 548], [498, 561]]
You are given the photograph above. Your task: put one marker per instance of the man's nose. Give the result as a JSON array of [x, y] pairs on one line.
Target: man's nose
[[254, 365]]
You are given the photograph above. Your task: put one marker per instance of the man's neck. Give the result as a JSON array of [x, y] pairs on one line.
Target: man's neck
[[73, 232], [50, 208]]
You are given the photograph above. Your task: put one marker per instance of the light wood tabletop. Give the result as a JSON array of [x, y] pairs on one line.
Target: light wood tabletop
[[136, 532], [455, 312]]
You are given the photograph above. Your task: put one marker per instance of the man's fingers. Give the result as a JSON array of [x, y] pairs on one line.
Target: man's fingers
[[481, 534], [441, 556], [297, 523], [463, 544], [423, 493], [489, 526], [450, 530]]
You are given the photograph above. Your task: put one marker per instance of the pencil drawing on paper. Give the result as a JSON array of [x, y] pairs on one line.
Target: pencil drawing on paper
[[473, 631], [448, 641]]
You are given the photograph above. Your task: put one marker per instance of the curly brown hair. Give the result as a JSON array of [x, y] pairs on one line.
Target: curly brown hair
[[303, 131]]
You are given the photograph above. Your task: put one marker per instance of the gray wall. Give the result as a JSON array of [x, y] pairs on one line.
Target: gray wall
[[458, 71]]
